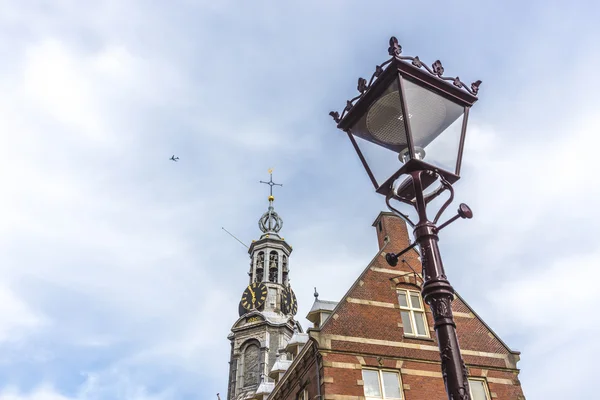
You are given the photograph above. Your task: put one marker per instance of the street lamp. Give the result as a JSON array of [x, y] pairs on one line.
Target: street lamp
[[429, 145]]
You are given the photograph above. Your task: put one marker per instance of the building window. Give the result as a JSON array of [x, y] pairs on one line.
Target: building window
[[303, 394], [412, 313], [479, 389], [379, 384]]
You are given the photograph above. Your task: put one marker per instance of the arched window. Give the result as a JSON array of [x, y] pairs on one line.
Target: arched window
[[273, 266], [260, 265], [285, 270], [251, 365]]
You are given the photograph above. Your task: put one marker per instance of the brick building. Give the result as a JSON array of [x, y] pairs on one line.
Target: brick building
[[378, 342]]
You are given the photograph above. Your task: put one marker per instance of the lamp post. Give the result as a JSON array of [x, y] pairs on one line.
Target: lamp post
[[429, 145]]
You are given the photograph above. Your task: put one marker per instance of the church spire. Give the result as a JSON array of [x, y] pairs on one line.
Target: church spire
[[266, 310], [270, 223], [270, 253]]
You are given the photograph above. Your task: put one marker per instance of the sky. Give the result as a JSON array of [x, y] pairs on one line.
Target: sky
[[116, 278]]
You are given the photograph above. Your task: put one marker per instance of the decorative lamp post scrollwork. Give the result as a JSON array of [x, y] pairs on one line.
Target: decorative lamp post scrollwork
[[429, 145]]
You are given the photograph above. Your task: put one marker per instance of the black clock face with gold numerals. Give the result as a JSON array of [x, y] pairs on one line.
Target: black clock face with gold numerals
[[290, 306], [285, 308], [254, 296]]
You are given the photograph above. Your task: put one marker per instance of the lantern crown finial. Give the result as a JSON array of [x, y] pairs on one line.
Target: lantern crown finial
[[395, 49], [270, 222]]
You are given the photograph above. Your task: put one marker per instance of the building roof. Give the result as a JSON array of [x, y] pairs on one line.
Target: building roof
[[281, 365], [297, 339], [265, 388], [320, 306], [323, 305], [366, 326]]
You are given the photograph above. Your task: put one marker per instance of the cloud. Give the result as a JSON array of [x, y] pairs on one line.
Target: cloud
[[554, 305], [41, 393], [117, 280], [16, 318]]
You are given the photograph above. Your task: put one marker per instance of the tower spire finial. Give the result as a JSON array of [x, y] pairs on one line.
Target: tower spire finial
[[316, 294], [271, 184], [270, 222]]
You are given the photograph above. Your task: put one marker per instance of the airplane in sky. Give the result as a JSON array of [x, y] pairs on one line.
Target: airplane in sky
[[173, 158]]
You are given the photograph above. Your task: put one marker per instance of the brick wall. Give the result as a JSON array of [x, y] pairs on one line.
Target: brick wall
[[302, 375], [366, 330]]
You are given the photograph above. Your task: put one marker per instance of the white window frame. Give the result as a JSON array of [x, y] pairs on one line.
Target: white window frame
[[381, 387], [303, 395], [485, 387], [411, 312]]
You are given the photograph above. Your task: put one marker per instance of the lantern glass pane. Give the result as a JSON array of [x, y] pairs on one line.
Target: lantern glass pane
[[382, 161], [443, 151], [383, 122], [435, 125]]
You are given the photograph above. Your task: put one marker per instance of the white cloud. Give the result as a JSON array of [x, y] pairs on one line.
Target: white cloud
[[113, 262], [17, 319], [54, 82], [554, 307], [40, 393], [556, 298]]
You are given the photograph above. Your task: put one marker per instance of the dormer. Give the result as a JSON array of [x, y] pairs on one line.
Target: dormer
[[281, 365], [320, 311], [264, 389], [297, 341]]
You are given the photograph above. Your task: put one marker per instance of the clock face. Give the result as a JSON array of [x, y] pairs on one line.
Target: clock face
[[254, 296], [293, 303], [290, 306], [285, 306]]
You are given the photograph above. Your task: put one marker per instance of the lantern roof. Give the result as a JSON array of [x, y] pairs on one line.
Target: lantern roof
[[412, 68]]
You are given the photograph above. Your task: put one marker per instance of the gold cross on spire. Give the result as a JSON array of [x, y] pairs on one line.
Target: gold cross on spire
[[271, 184]]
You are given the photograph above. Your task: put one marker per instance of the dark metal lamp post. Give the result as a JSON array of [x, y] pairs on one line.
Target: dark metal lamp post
[[429, 145]]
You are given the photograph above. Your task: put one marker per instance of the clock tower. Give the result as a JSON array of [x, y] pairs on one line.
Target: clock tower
[[266, 312]]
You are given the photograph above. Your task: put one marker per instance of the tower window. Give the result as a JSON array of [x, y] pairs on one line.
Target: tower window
[[412, 313], [284, 273], [251, 365], [379, 226], [260, 265], [273, 266], [380, 384]]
